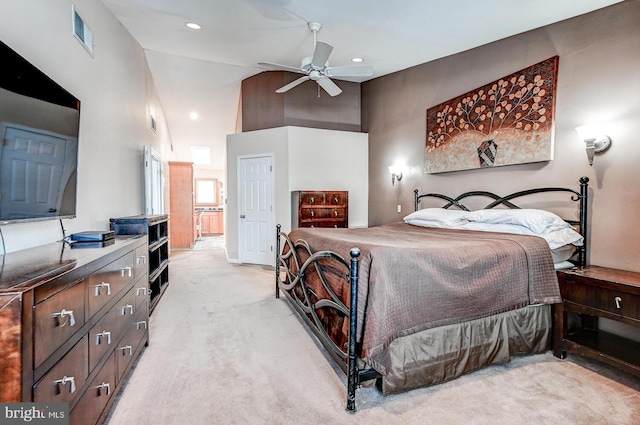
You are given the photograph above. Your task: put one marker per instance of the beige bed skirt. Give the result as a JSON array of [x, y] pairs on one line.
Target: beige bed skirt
[[437, 355]]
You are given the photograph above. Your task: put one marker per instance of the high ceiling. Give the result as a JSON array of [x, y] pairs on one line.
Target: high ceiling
[[201, 70]]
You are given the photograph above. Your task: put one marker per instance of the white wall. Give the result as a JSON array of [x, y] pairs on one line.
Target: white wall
[[116, 94], [331, 160], [304, 159]]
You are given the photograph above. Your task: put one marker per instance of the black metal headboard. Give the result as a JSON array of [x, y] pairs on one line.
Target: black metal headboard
[[581, 196]]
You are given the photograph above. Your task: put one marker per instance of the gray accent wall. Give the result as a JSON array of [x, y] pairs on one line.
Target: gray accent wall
[[598, 81]]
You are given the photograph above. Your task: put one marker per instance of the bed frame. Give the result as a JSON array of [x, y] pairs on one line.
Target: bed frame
[[292, 279]]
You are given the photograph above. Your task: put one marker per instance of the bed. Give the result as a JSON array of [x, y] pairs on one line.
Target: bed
[[445, 292]]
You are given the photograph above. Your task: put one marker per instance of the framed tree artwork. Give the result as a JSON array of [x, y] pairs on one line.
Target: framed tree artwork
[[509, 121]]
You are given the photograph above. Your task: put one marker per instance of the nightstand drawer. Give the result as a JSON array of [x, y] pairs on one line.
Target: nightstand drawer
[[610, 300]]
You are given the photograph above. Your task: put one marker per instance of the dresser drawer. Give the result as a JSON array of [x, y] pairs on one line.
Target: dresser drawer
[[313, 213], [141, 292], [95, 399], [312, 198], [141, 261], [56, 320], [324, 223], [605, 299], [339, 198], [64, 380], [126, 350], [105, 334], [106, 283]]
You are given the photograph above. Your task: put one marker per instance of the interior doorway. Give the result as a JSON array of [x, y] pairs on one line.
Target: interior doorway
[[256, 237]]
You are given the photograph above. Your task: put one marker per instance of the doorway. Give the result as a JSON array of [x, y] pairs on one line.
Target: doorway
[[256, 237]]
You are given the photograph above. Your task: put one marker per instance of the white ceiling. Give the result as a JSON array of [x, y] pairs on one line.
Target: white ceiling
[[202, 70]]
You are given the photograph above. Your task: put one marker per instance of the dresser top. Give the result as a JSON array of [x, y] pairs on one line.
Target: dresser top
[[23, 270]]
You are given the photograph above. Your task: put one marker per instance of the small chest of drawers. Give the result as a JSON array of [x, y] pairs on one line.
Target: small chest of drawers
[[594, 292], [319, 208]]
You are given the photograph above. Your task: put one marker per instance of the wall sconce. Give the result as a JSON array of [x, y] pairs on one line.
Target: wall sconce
[[396, 174], [595, 139]]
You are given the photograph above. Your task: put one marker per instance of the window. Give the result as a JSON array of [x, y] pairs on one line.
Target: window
[[206, 191]]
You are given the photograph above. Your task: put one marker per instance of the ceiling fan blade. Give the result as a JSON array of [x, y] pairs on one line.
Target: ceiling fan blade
[[282, 67], [350, 71], [329, 86], [293, 84], [321, 54]]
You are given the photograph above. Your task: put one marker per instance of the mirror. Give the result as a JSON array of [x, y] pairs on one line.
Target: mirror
[[206, 191]]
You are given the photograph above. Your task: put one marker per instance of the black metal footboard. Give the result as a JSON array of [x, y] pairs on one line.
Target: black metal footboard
[[319, 307]]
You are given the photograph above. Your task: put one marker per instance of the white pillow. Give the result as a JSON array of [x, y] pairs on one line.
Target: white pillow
[[437, 217], [539, 221], [555, 238], [563, 253], [434, 223]]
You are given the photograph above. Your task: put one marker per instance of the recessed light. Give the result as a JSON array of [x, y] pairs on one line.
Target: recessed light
[[357, 60], [193, 25], [193, 116]]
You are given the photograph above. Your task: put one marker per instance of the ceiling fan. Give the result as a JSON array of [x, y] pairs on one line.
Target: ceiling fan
[[316, 67]]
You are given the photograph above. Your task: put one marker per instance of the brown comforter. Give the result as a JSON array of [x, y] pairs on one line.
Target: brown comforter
[[414, 278]]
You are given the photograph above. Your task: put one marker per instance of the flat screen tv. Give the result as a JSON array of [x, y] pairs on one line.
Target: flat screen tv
[[39, 125]]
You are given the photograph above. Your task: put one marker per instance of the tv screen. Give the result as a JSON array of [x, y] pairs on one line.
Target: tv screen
[[39, 125]]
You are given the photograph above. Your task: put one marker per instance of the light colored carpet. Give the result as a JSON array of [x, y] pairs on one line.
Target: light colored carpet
[[224, 350]]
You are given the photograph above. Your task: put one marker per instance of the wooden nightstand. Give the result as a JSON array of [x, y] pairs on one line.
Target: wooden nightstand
[[595, 292]]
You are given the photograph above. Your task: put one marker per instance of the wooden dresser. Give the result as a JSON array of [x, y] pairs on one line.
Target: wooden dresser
[[594, 292], [73, 321], [319, 209]]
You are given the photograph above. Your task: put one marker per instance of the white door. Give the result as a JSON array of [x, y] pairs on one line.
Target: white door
[[33, 165], [256, 234]]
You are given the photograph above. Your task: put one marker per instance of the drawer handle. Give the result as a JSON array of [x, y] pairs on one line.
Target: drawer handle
[[64, 313], [101, 335], [140, 290], [125, 348], [617, 300], [103, 285], [139, 325], [335, 213], [124, 270], [142, 259], [313, 200], [335, 199], [66, 379], [313, 213], [124, 309], [102, 387]]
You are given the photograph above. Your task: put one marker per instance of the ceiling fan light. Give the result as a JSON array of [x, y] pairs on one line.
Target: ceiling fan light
[[357, 60]]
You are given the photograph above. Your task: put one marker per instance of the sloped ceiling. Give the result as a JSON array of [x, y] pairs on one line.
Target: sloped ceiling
[[201, 70]]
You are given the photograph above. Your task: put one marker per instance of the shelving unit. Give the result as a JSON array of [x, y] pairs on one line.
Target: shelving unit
[[156, 227]]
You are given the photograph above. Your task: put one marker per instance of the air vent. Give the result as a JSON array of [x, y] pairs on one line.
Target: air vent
[[81, 31]]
